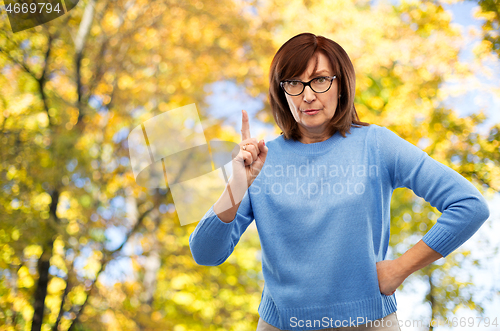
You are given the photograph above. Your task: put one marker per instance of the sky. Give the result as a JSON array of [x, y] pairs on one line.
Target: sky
[[475, 98]]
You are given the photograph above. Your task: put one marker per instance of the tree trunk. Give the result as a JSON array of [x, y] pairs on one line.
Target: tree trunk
[[43, 270], [41, 287], [55, 327]]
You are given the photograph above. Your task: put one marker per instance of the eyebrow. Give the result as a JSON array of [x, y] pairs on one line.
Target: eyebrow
[[314, 73]]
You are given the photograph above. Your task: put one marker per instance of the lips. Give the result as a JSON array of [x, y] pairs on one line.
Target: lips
[[311, 111]]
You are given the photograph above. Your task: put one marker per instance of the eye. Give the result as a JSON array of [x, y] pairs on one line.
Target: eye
[[321, 79], [293, 83]]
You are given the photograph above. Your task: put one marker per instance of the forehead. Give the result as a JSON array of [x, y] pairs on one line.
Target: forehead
[[318, 64]]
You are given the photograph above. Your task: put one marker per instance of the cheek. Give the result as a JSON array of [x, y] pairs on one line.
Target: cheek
[[331, 106], [292, 104]]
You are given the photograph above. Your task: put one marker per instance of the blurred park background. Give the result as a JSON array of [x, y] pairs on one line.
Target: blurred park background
[[83, 247]]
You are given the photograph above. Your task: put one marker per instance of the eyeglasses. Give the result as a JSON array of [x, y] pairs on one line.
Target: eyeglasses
[[318, 85]]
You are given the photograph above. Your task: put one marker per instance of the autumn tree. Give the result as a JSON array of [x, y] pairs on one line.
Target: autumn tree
[[71, 91], [490, 13]]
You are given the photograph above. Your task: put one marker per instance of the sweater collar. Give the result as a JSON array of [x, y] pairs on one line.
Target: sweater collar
[[321, 147]]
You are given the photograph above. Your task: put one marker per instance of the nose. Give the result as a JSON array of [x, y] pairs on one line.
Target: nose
[[309, 94]]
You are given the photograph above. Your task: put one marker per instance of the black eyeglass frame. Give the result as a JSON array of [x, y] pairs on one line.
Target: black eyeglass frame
[[304, 84]]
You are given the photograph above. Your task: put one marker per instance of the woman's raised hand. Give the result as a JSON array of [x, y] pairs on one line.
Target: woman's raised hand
[[249, 162]]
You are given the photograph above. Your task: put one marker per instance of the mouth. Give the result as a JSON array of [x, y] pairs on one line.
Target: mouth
[[311, 111]]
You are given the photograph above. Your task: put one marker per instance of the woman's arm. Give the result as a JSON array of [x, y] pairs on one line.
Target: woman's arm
[[392, 273], [213, 240], [463, 207], [219, 231], [417, 257], [229, 202]]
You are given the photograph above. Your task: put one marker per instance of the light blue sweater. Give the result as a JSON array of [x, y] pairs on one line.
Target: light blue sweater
[[322, 211]]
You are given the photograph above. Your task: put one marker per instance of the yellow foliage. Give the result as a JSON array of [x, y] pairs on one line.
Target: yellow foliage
[[183, 298], [56, 285], [77, 295], [25, 279], [58, 261], [42, 201], [72, 228], [33, 251]]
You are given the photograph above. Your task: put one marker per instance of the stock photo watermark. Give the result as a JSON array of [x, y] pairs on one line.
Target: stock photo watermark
[[170, 150], [328, 322], [331, 179], [26, 14]]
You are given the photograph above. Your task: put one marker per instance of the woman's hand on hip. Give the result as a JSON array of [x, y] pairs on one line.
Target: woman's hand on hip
[[390, 276]]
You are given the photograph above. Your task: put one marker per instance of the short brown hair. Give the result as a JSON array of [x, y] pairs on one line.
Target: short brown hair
[[291, 60]]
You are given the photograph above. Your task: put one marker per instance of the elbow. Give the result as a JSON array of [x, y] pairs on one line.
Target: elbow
[[200, 259], [482, 210], [208, 264], [200, 255], [205, 257], [479, 212]]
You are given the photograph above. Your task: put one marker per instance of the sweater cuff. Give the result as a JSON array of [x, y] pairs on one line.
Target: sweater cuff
[[440, 240], [212, 225]]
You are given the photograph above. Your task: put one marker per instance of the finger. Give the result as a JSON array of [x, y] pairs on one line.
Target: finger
[[253, 152], [245, 126], [263, 150], [252, 141], [250, 145], [248, 158]]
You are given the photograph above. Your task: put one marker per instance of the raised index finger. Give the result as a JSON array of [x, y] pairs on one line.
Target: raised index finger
[[245, 127]]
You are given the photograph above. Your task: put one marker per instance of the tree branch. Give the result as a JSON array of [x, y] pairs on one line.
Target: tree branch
[[19, 63], [80, 41], [55, 327], [107, 257], [42, 79]]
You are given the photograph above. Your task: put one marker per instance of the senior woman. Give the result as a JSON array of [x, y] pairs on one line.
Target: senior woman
[[320, 196]]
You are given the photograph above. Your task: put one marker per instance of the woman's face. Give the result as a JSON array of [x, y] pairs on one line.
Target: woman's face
[[314, 125]]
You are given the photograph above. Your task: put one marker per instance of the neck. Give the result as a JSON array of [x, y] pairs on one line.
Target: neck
[[313, 137]]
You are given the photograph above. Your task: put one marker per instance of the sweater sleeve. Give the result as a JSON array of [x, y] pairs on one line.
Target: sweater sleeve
[[463, 207], [213, 240]]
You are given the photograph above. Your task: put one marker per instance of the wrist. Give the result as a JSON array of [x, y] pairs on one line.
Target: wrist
[[417, 257], [404, 266]]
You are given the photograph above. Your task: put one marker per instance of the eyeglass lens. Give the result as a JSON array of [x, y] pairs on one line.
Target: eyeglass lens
[[319, 85]]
